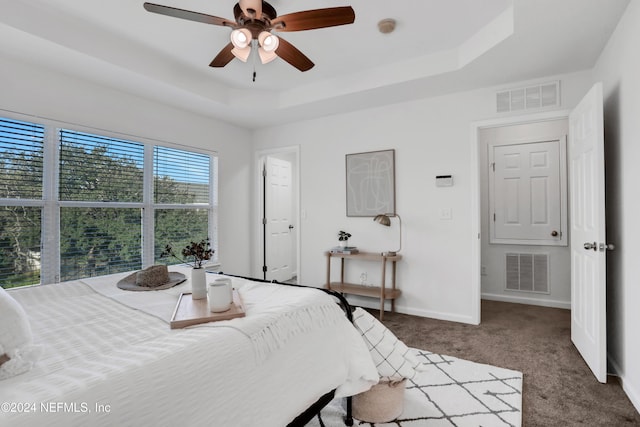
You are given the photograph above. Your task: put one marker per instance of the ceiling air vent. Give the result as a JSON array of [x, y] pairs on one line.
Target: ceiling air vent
[[528, 98]]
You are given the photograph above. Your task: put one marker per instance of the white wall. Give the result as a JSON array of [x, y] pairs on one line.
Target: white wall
[[27, 89], [619, 69], [431, 137], [493, 255]]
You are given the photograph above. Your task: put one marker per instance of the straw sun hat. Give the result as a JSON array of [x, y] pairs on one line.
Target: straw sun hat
[[154, 278]]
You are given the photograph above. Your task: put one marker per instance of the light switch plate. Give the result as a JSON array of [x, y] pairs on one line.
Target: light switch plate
[[445, 213]]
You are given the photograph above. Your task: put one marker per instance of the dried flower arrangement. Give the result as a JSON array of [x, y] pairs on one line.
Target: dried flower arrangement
[[200, 251]]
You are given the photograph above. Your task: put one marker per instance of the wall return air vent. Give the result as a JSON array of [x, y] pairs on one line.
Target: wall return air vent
[[544, 95], [527, 272]]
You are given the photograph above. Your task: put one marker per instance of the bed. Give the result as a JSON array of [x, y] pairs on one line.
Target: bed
[[108, 357]]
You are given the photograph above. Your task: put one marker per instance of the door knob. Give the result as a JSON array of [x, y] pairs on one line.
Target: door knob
[[290, 227], [593, 246], [607, 247], [554, 233]]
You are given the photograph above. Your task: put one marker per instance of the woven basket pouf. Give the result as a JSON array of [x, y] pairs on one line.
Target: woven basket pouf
[[382, 403]]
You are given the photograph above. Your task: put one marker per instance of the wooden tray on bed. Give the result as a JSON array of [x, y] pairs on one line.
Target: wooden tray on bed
[[192, 312]]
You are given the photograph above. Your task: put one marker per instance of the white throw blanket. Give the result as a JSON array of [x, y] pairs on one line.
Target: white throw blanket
[[98, 352], [283, 311]]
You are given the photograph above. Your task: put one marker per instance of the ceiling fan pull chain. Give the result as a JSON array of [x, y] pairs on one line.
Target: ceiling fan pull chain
[[254, 68], [254, 50]]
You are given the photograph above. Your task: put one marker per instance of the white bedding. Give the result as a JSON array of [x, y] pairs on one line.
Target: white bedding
[[110, 358]]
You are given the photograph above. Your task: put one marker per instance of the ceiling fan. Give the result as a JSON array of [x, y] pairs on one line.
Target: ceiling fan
[[254, 22]]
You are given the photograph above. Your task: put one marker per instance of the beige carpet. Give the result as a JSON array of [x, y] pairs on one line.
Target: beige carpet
[[558, 389]]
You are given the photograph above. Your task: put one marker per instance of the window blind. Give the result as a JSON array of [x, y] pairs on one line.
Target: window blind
[[99, 241], [178, 228], [21, 160], [21, 152], [98, 168], [180, 176], [20, 232], [100, 219]]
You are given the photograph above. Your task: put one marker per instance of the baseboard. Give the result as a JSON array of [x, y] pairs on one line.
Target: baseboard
[[436, 315], [374, 304], [526, 300], [369, 303], [630, 391]]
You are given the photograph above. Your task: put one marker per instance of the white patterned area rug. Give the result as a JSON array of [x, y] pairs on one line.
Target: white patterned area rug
[[449, 392]]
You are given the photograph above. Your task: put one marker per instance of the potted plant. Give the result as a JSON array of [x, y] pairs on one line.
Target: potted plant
[[200, 252], [343, 238]]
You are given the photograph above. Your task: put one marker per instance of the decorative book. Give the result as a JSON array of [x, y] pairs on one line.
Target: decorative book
[[347, 250]]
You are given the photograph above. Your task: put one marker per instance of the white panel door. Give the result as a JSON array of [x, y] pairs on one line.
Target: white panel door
[[588, 248], [278, 203], [526, 192]]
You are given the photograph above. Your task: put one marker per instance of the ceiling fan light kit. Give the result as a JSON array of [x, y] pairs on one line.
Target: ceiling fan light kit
[[241, 38], [266, 57], [268, 45], [254, 20], [268, 41], [241, 53]]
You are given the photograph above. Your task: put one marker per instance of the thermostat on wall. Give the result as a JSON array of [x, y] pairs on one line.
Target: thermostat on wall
[[444, 180]]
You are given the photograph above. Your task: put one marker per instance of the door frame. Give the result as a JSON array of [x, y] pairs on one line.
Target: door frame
[[259, 160], [476, 291]]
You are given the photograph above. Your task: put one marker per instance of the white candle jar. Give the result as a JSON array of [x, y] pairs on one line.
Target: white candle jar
[[220, 295]]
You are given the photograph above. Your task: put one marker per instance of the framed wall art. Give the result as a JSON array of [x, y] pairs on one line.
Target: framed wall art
[[371, 183]]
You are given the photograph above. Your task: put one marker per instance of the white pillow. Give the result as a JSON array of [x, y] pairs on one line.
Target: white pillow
[[16, 341], [391, 356]]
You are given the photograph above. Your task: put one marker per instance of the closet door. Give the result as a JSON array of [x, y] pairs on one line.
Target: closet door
[[525, 192]]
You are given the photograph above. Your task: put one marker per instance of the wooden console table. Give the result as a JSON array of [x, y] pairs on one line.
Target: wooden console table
[[381, 292]]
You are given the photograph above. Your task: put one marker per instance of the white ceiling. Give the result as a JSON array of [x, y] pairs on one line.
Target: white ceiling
[[439, 46]]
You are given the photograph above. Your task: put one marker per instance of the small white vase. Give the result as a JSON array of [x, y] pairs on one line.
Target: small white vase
[[198, 283], [343, 243]]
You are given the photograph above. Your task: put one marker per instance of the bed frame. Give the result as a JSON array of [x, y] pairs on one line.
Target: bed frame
[[313, 410]]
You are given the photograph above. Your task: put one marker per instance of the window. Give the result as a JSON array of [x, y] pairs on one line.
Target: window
[[104, 205], [99, 239], [181, 190], [21, 148], [178, 227], [95, 168], [180, 176], [19, 245], [21, 154]]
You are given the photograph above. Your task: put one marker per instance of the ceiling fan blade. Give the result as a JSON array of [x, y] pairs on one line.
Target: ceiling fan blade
[[224, 57], [293, 56], [189, 15], [313, 19], [251, 8]]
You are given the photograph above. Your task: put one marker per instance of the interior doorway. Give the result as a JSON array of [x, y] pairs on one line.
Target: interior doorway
[[476, 193], [587, 239], [525, 256], [277, 254]]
